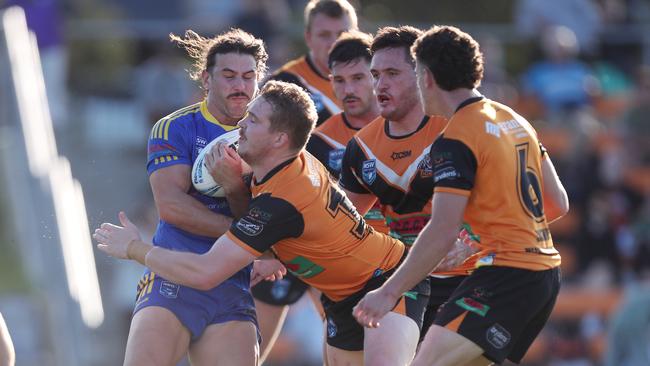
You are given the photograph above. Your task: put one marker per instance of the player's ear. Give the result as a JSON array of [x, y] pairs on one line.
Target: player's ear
[[281, 138], [205, 79], [429, 80]]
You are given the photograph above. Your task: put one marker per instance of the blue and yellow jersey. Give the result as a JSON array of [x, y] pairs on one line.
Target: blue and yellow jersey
[[177, 139]]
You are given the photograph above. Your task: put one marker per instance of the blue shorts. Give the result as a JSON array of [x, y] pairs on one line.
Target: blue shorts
[[230, 301]]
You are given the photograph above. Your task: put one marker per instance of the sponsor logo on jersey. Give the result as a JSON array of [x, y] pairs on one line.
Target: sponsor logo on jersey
[[481, 293], [488, 260], [335, 159], [259, 215], [331, 328], [413, 295], [425, 168], [406, 229], [312, 166], [303, 267], [467, 235], [400, 154], [443, 157], [249, 228], [497, 336], [369, 171], [492, 129], [472, 305], [508, 127], [445, 173], [169, 289]]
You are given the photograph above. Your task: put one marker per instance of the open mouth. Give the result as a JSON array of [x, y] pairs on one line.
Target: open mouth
[[383, 99]]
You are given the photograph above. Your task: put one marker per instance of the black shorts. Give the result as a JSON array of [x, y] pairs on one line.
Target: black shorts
[[281, 292], [343, 330], [441, 290], [501, 309]]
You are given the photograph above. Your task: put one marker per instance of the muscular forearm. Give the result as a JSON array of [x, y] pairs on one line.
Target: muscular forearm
[[186, 213], [184, 268], [238, 200], [179, 267], [426, 253]]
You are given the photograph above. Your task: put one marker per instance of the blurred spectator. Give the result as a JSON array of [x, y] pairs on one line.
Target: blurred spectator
[[161, 84], [635, 124], [45, 20], [267, 20], [211, 17], [496, 83], [532, 17], [262, 19], [560, 82], [629, 333]]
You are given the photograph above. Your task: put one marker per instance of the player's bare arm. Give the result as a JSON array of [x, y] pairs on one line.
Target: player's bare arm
[[458, 253], [556, 201], [227, 168], [170, 186], [431, 246], [269, 269], [200, 271]]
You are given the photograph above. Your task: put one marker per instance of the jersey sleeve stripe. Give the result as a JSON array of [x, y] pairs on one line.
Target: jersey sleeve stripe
[[243, 245], [457, 191], [154, 130], [161, 129], [166, 135]]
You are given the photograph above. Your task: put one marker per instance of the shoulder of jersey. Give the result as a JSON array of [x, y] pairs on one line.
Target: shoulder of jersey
[[296, 187], [467, 122], [288, 71], [333, 123], [161, 128], [291, 65], [373, 128]]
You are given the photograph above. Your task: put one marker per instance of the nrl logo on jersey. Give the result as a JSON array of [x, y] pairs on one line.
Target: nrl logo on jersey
[[335, 159], [200, 143], [369, 171]]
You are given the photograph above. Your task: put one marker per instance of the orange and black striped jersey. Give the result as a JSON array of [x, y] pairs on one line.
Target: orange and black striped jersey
[[327, 144], [492, 155], [396, 170], [302, 72], [305, 218]]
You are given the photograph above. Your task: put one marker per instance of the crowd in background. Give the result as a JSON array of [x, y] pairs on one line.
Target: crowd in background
[[579, 70]]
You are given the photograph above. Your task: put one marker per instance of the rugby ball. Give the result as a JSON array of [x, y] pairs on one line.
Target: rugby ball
[[201, 178]]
